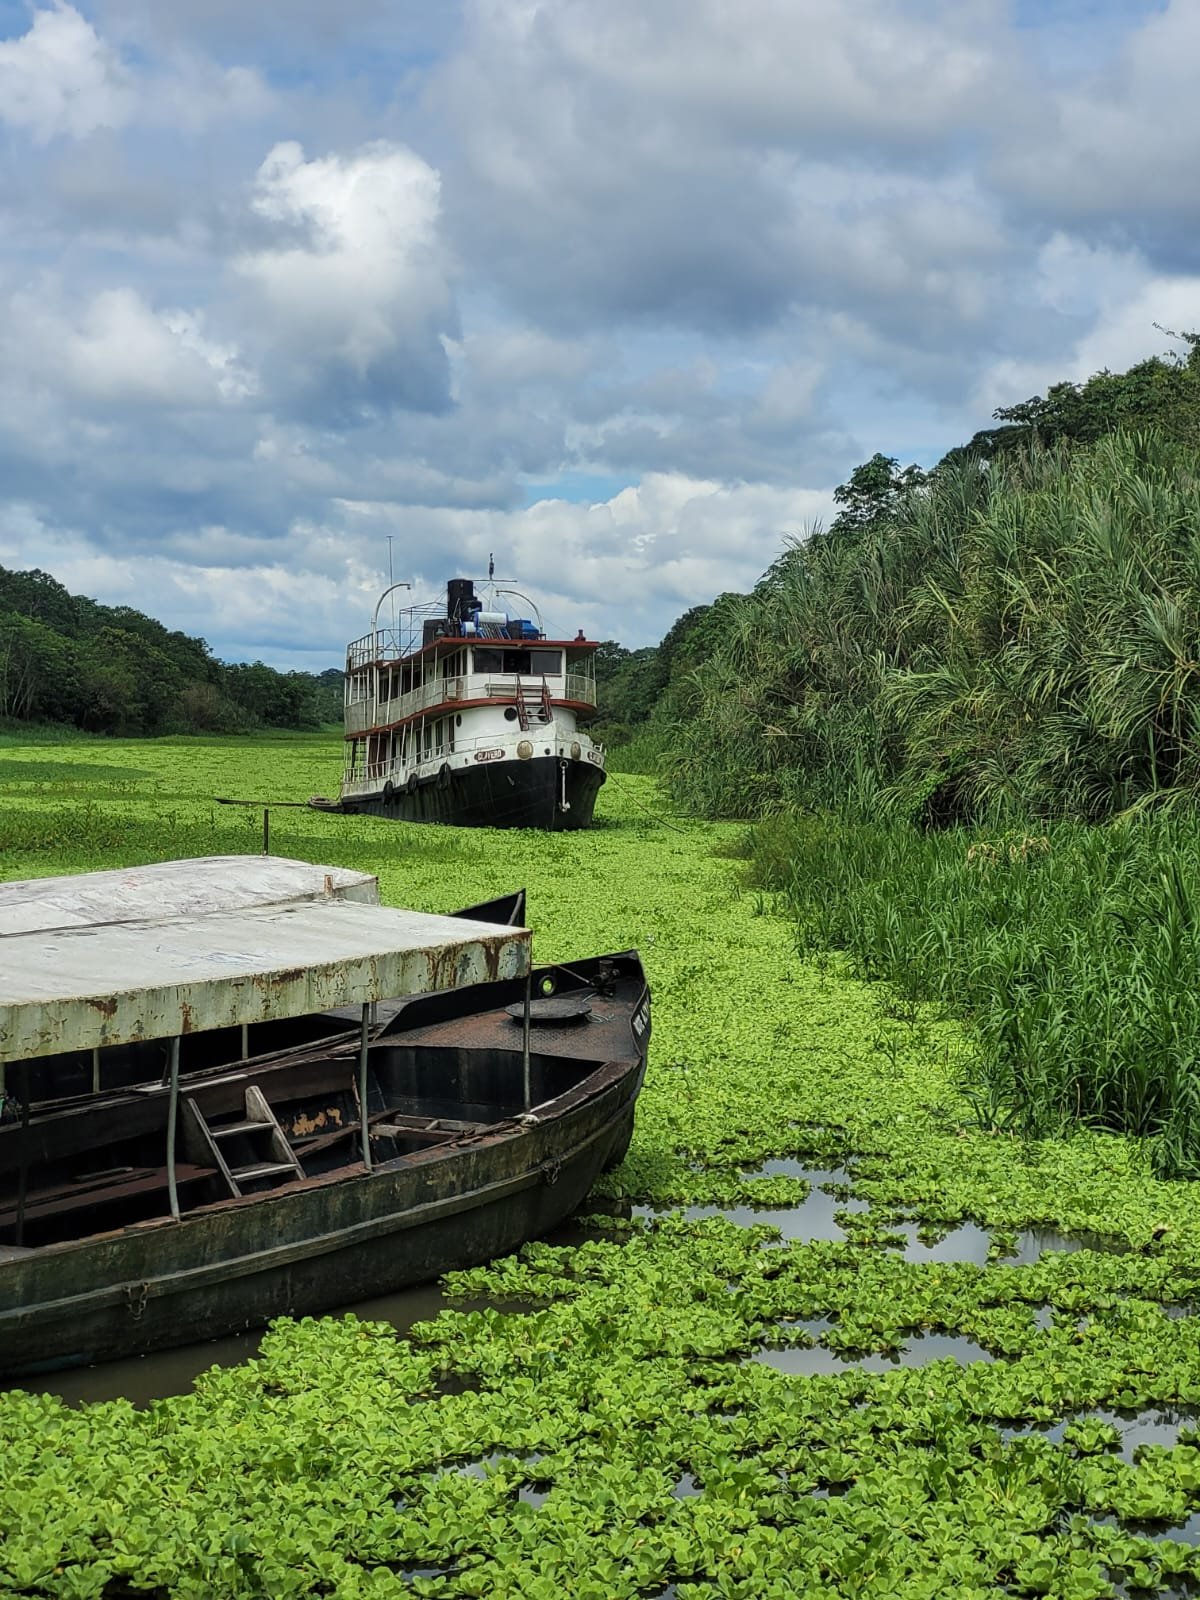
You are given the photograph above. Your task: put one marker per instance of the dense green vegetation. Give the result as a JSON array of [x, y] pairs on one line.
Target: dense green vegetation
[[1071, 951], [682, 1404], [636, 688], [973, 708], [1002, 642], [111, 669]]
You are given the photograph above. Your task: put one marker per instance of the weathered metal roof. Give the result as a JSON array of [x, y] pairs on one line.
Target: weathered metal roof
[[73, 988], [174, 888]]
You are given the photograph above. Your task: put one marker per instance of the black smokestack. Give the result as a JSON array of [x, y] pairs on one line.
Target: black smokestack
[[460, 599]]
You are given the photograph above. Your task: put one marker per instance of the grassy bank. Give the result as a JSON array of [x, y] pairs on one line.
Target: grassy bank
[[623, 1436], [1070, 951]]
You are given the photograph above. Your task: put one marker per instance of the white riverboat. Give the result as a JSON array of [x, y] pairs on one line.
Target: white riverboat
[[469, 714]]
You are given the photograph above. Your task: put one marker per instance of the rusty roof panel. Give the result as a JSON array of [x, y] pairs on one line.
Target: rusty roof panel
[[79, 987], [174, 888]]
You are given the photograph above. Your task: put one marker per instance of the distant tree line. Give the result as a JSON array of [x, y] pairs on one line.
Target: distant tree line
[[111, 669], [631, 684]]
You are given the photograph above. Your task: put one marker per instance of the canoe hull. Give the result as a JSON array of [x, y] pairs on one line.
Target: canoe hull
[[313, 1246]]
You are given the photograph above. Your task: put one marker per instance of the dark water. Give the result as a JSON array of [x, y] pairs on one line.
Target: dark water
[[147, 1378], [1181, 1532]]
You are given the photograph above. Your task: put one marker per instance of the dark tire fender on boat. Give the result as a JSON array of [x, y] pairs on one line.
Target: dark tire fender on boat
[[444, 776]]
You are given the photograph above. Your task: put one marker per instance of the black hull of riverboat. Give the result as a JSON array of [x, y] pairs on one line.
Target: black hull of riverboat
[[314, 1245], [494, 794]]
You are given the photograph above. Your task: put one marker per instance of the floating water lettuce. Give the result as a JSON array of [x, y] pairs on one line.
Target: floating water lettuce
[[617, 1436]]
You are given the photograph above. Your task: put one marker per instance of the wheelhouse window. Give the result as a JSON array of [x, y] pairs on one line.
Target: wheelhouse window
[[528, 663]]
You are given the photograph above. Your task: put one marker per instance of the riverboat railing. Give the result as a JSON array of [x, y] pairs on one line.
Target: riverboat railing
[[367, 712], [370, 776]]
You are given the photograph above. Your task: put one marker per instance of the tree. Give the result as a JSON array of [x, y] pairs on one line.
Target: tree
[[873, 491]]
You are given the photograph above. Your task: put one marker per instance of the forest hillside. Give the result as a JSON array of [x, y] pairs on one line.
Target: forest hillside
[[1013, 634], [111, 669]]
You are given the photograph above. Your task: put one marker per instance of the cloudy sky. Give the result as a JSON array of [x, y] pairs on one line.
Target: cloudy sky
[[617, 289]]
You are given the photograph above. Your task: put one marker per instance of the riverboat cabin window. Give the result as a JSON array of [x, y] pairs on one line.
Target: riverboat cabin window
[[529, 663]]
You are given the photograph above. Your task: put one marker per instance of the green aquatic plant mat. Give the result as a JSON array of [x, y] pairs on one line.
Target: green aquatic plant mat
[[596, 1420]]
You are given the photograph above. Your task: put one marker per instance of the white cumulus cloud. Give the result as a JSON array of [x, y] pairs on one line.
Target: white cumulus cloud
[[354, 292], [61, 78], [117, 349]]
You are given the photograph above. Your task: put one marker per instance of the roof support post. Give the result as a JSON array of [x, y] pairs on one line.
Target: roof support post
[[525, 1070], [364, 1121], [172, 1120], [23, 1168]]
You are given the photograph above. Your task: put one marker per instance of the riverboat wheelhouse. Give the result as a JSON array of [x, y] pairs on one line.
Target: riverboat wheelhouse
[[470, 715]]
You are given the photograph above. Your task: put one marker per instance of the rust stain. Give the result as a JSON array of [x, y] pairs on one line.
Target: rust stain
[[104, 1004], [303, 1125]]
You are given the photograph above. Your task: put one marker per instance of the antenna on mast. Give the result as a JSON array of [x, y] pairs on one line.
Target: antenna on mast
[[491, 566]]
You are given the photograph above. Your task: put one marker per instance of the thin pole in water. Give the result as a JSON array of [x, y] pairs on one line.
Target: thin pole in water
[[364, 1039], [266, 831], [172, 1117]]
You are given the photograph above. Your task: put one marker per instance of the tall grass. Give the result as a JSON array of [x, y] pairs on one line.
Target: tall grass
[[1071, 951], [641, 752]]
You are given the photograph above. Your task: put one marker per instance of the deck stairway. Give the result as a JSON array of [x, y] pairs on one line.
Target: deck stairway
[[540, 705], [250, 1153]]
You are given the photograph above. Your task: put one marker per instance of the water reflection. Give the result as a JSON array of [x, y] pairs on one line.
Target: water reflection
[[918, 1351], [968, 1242], [813, 1219], [1158, 1425], [1180, 1532]]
